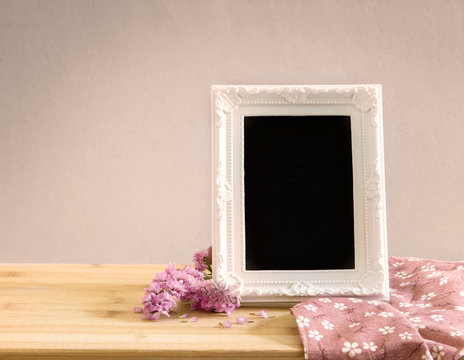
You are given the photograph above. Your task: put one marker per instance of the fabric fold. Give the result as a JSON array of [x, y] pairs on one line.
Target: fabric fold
[[423, 320]]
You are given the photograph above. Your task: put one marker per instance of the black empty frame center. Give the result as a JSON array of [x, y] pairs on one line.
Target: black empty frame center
[[298, 193]]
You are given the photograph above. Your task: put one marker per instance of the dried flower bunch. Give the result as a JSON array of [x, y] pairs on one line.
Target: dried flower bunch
[[188, 284]]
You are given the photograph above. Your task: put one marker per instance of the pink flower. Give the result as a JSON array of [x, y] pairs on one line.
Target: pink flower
[[241, 320], [167, 288], [263, 314], [226, 324], [157, 304], [188, 284], [202, 259], [214, 297]]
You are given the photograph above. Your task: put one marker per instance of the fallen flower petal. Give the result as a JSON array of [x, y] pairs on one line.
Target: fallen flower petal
[[263, 314], [241, 320], [184, 316], [194, 319], [226, 324], [138, 309]]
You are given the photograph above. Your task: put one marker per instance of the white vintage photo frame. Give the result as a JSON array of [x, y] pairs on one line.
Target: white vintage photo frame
[[363, 103]]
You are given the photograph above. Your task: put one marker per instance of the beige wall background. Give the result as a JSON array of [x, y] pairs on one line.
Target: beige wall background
[[105, 115]]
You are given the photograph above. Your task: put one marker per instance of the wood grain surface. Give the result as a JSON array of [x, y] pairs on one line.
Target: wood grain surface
[[83, 312]]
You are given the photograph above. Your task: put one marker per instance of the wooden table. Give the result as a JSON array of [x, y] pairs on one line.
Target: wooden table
[[83, 312]]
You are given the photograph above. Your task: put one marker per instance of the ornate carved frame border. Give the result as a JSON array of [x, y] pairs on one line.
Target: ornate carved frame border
[[364, 104]]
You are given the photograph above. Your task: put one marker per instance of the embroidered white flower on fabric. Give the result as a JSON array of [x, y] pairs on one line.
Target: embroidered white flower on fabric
[[397, 264], [355, 300], [461, 293], [437, 352], [386, 314], [423, 306], [444, 280], [460, 267], [367, 314], [351, 348], [405, 283], [405, 313], [406, 305], [340, 306], [459, 307], [434, 274], [302, 321], [405, 336], [387, 330], [325, 300], [310, 307], [401, 274], [457, 332], [354, 325], [428, 267], [437, 318], [428, 296], [427, 356], [418, 326], [395, 295], [415, 319], [370, 346], [374, 302], [315, 334], [327, 325]]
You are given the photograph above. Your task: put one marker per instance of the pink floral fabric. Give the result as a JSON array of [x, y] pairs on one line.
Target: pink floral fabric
[[424, 319]]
